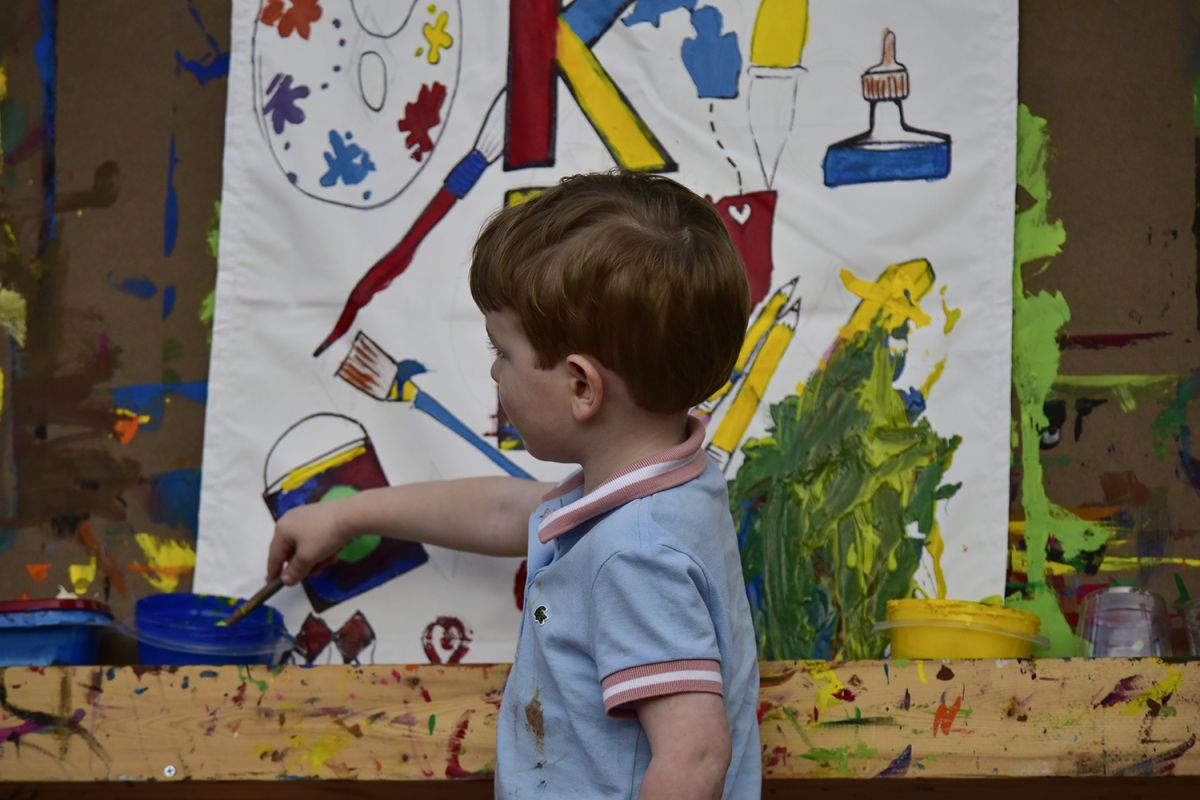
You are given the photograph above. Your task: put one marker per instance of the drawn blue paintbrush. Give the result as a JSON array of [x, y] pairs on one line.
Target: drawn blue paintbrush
[[368, 368]]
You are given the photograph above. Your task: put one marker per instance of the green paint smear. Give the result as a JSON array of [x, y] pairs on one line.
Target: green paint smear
[[1037, 319], [246, 677], [838, 758], [212, 238], [1172, 420], [1196, 103], [1123, 388], [824, 501], [432, 722]]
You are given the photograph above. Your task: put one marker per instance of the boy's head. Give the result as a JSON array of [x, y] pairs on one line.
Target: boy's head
[[631, 269]]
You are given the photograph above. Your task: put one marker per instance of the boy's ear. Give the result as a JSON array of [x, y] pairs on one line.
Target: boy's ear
[[587, 386]]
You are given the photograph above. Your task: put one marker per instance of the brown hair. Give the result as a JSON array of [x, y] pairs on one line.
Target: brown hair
[[634, 270]]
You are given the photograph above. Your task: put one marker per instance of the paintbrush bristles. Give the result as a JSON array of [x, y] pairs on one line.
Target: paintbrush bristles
[[368, 368]]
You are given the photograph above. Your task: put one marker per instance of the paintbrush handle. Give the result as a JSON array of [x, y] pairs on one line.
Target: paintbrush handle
[[261, 596]]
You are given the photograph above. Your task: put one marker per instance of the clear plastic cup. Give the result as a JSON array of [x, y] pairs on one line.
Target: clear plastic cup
[[1124, 622], [1191, 621]]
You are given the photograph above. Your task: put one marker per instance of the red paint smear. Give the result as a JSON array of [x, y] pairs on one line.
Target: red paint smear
[[519, 585], [1102, 341], [428, 698], [1121, 693], [764, 708], [943, 718], [844, 694], [240, 697], [420, 116], [453, 767], [87, 537], [778, 755], [39, 572]]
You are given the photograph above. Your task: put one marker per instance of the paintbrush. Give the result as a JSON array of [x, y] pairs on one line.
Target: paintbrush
[[489, 143], [261, 596], [369, 368]]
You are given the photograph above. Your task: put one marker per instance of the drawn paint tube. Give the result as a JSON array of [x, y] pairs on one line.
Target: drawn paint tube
[[890, 150], [324, 457]]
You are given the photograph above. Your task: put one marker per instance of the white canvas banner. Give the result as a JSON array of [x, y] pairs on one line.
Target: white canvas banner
[[860, 151]]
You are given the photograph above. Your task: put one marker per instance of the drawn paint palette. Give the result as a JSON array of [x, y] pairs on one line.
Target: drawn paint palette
[[355, 130], [324, 457]]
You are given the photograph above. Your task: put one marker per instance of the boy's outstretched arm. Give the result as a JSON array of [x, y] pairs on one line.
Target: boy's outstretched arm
[[479, 515], [689, 746]]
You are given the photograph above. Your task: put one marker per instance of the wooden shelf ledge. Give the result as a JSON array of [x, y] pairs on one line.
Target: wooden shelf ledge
[[907, 719]]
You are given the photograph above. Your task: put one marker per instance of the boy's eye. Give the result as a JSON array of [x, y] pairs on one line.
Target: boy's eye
[[495, 351]]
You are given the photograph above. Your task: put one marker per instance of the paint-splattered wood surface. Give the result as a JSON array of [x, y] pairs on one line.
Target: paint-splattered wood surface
[[915, 719]]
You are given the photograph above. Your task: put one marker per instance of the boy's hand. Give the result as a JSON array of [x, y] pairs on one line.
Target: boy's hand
[[689, 746], [306, 539]]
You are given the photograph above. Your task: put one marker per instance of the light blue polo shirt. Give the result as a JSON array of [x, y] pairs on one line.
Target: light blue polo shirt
[[633, 591]]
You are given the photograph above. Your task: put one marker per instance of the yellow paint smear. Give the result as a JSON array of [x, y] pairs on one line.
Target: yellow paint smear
[[921, 671], [937, 546], [780, 33], [299, 476], [1020, 563], [82, 576], [952, 317], [315, 757], [167, 561], [12, 315], [933, 378], [895, 296], [1168, 685], [827, 683]]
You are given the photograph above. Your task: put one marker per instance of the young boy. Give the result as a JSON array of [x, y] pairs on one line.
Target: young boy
[[614, 303]]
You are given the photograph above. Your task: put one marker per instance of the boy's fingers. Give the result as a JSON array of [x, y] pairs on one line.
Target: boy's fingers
[[276, 555]]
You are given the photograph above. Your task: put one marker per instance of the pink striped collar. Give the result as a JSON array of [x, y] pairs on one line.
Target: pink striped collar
[[671, 467]]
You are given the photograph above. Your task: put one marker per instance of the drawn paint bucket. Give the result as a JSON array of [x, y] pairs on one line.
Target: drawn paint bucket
[[181, 628], [324, 457], [44, 632]]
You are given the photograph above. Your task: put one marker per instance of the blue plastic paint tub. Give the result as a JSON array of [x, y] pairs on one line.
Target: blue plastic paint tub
[[39, 633], [182, 629]]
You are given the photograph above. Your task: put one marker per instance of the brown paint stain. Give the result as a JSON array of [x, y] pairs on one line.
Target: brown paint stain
[[945, 673], [104, 560], [1123, 488], [535, 720]]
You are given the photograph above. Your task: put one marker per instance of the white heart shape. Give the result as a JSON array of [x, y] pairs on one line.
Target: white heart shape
[[740, 214]]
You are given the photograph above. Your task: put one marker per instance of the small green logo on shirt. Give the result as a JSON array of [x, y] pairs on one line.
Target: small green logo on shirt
[[539, 615]]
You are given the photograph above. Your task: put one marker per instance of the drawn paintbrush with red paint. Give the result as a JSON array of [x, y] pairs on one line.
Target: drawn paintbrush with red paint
[[489, 143]]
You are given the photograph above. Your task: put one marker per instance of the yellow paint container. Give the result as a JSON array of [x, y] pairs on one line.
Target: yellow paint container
[[959, 629]]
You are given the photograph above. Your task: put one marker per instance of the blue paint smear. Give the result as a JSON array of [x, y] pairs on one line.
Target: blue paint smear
[[171, 212], [213, 64], [142, 288], [348, 161], [898, 767], [591, 18], [45, 53], [914, 402], [168, 301], [847, 163], [712, 58], [175, 500], [423, 402], [407, 369], [7, 538], [150, 399], [651, 10]]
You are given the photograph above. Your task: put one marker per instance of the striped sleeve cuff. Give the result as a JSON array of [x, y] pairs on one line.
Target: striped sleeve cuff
[[623, 688]]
